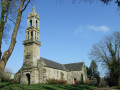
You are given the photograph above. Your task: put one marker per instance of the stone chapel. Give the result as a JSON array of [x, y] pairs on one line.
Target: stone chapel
[[36, 69]]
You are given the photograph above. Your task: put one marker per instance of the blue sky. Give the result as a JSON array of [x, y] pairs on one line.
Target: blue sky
[[67, 31]]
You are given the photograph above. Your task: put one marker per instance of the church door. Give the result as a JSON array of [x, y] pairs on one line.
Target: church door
[[28, 78], [74, 81]]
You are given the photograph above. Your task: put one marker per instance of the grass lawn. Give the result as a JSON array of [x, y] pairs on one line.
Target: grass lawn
[[117, 87], [9, 86]]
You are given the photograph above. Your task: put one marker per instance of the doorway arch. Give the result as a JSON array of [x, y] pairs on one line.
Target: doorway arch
[[28, 78], [74, 81]]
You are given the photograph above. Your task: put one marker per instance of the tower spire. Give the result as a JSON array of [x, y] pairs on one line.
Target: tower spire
[[33, 9], [32, 43]]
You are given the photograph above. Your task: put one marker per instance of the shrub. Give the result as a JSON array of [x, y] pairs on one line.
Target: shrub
[[87, 81], [51, 81], [61, 82], [56, 81], [13, 81], [6, 76], [111, 82], [78, 82]]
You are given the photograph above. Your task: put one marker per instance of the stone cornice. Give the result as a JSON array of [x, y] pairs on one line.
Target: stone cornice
[[31, 41], [31, 28]]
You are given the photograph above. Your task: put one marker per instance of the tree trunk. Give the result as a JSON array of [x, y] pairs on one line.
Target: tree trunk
[[3, 20], [2, 66], [7, 53], [119, 81]]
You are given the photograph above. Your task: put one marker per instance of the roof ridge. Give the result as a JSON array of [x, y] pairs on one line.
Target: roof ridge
[[74, 63], [60, 63], [51, 60]]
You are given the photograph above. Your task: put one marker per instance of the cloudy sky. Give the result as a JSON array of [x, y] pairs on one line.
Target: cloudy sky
[[67, 31]]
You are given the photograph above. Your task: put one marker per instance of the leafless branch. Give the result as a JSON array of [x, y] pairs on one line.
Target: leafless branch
[[11, 20], [8, 3], [26, 5]]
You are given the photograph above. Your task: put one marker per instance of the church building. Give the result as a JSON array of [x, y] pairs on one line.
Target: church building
[[36, 69]]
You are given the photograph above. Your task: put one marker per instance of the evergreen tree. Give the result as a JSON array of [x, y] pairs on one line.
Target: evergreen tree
[[93, 74]]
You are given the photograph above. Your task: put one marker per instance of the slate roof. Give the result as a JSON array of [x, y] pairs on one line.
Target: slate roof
[[52, 64], [74, 66], [55, 65]]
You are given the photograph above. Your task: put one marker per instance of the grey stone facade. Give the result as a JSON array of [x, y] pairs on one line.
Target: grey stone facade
[[36, 69]]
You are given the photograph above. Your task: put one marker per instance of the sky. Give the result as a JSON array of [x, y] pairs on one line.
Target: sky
[[67, 31]]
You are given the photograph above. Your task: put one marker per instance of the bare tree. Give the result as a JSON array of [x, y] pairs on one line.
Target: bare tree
[[107, 51], [104, 1], [5, 12]]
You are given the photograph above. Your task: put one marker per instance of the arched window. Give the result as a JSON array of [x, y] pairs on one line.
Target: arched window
[[57, 74], [28, 35], [37, 35], [36, 23], [62, 75], [30, 23], [31, 34], [81, 77]]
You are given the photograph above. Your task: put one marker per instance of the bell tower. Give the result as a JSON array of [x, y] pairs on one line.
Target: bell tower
[[32, 43]]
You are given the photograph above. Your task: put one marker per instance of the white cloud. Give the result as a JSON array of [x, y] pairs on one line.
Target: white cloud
[[79, 30], [99, 28]]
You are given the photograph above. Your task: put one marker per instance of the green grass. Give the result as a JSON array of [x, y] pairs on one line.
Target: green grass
[[117, 87], [9, 86]]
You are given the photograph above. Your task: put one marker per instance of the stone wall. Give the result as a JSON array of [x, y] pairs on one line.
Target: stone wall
[[31, 55], [74, 75], [55, 73], [34, 76], [78, 75], [17, 76], [28, 76]]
